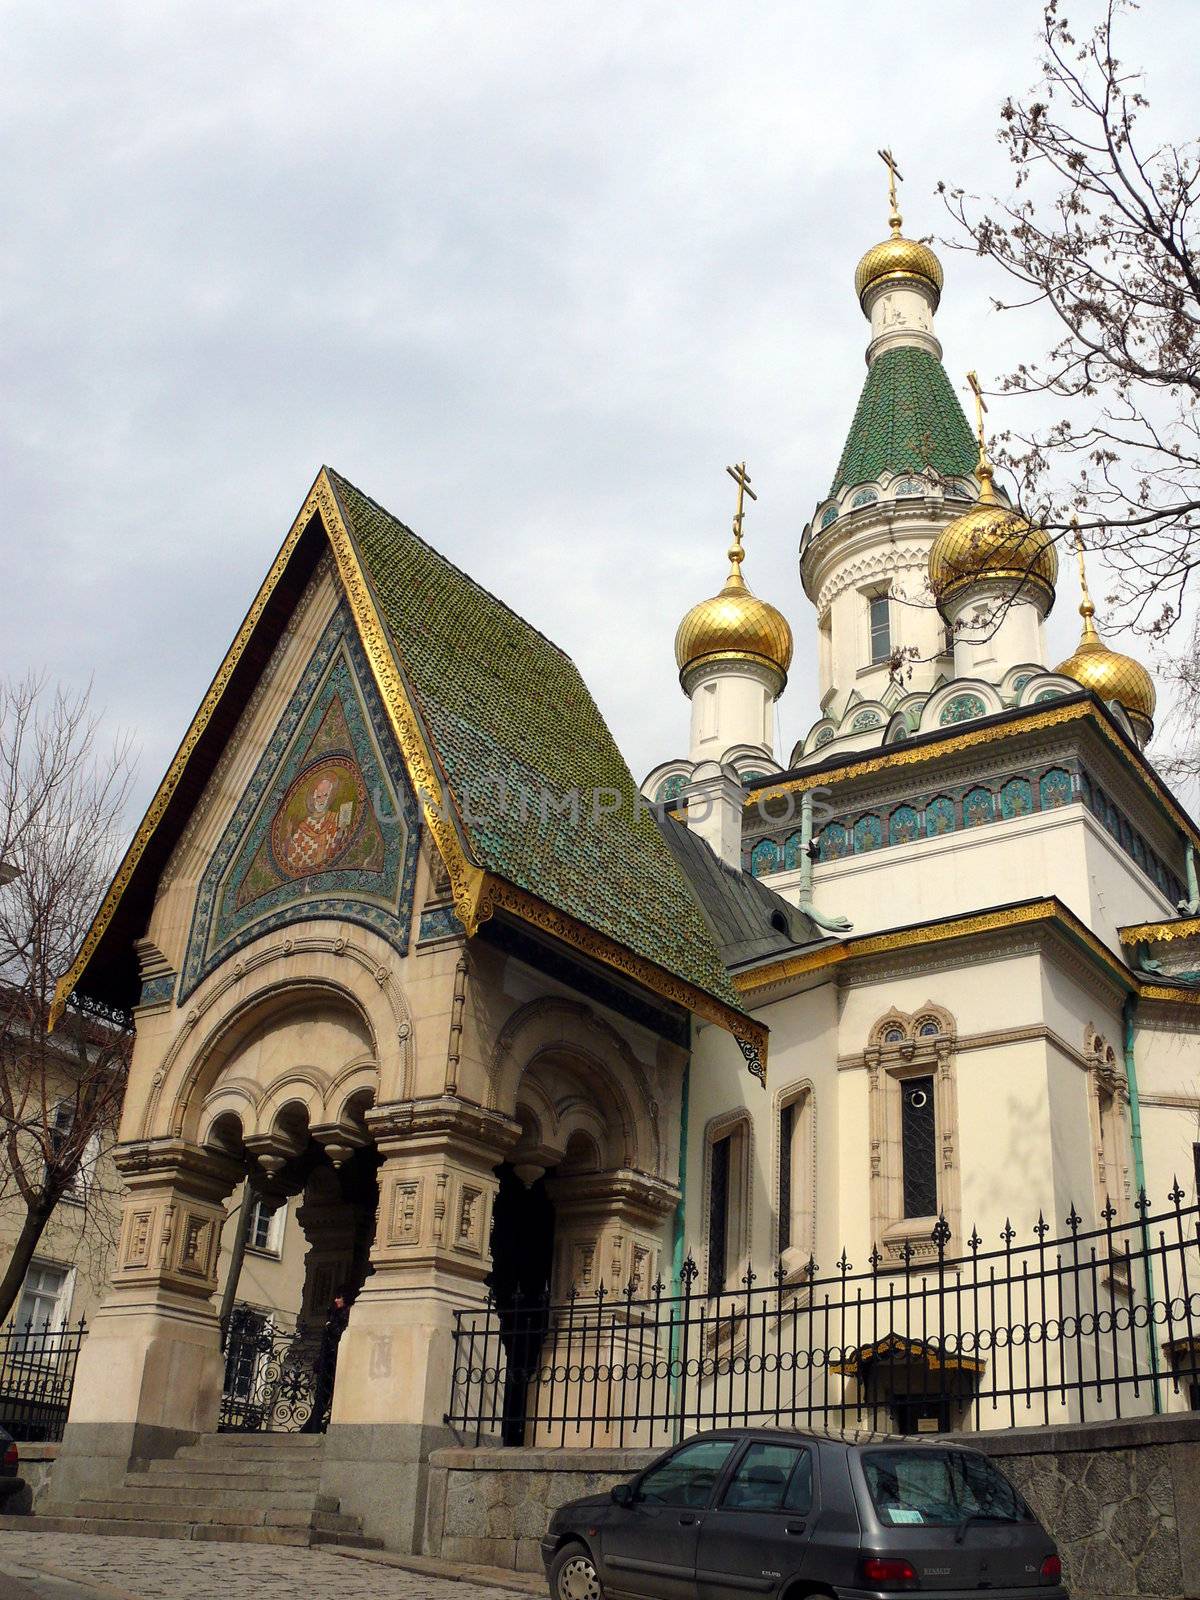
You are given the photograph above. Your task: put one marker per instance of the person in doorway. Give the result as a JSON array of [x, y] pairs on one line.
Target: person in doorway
[[326, 1361]]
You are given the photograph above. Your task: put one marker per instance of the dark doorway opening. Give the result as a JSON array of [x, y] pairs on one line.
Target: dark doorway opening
[[522, 1268]]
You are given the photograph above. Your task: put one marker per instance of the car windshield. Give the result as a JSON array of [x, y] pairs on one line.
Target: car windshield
[[939, 1488]]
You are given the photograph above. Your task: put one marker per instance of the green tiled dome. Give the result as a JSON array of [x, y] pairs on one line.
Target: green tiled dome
[[908, 419]]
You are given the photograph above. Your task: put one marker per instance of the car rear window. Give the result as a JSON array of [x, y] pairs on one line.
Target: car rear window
[[939, 1488]]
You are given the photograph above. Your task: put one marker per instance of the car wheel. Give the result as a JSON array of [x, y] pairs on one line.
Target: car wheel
[[573, 1575]]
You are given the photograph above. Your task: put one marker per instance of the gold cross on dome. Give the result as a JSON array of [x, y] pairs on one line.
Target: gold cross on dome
[[742, 478], [980, 409], [894, 172]]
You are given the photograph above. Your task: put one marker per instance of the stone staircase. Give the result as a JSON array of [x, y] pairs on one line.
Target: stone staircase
[[242, 1487]]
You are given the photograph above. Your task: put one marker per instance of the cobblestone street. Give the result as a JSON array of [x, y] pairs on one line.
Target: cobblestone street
[[50, 1566]]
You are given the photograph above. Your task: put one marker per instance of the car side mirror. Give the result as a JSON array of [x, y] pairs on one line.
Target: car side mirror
[[623, 1494]]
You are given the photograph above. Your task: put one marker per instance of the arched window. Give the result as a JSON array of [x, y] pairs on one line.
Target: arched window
[[1054, 788], [830, 514], [864, 497], [939, 816], [907, 488], [868, 834], [962, 708], [979, 807], [670, 788], [797, 1177], [791, 851], [764, 858], [834, 842], [904, 825], [864, 721], [1016, 798], [727, 1195]]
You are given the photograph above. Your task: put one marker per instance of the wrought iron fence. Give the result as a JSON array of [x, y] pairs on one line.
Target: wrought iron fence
[[37, 1374], [1096, 1323], [276, 1382]]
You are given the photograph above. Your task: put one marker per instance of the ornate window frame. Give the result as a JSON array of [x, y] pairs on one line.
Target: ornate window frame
[[802, 1096], [903, 1045], [740, 1126], [1112, 1141]]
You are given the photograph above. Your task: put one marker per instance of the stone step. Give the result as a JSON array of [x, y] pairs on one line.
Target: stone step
[[252, 1452], [227, 1516], [256, 1481], [133, 1492], [130, 1528], [279, 1442]]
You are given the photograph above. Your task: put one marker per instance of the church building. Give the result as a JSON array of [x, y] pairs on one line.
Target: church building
[[405, 943]]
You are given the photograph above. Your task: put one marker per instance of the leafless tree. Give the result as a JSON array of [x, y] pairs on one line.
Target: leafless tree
[[61, 804], [1101, 228]]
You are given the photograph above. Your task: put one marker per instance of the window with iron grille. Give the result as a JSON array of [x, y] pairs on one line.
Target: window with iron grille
[[718, 1215], [918, 1143]]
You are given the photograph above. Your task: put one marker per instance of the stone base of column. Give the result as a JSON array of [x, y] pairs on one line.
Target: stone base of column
[[148, 1381]]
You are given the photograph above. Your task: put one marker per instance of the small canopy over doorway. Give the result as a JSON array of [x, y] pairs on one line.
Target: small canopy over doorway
[[281, 1356], [919, 1387]]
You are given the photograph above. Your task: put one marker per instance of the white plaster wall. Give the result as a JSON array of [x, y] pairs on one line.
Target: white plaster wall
[[1065, 853], [731, 705], [993, 633]]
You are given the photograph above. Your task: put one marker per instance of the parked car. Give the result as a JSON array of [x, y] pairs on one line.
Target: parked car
[[743, 1512], [10, 1481]]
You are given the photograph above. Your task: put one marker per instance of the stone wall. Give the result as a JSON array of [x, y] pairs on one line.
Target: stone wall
[[1122, 1499]]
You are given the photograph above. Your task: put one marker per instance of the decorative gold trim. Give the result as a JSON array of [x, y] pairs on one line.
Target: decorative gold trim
[[183, 755], [904, 755], [751, 1036], [1160, 932], [948, 931], [1175, 997], [467, 880]]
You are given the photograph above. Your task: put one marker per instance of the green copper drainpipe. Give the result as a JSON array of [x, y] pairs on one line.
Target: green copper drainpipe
[[1139, 1178], [677, 1235]]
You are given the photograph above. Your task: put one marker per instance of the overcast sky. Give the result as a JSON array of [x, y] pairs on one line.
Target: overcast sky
[[530, 274]]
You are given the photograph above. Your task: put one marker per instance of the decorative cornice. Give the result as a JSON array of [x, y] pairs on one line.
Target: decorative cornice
[[1160, 932], [910, 753], [1050, 912]]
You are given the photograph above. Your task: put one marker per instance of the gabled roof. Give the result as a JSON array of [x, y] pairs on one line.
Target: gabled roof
[[750, 921], [503, 744], [908, 420]]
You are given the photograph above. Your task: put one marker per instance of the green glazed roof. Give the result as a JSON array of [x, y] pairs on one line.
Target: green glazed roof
[[500, 701], [908, 420]]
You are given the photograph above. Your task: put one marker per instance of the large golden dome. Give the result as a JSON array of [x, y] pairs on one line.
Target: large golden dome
[[1108, 673], [991, 541], [734, 625], [898, 258]]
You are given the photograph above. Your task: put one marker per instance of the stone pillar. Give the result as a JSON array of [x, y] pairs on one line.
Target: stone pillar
[[430, 1258], [609, 1231], [150, 1371]]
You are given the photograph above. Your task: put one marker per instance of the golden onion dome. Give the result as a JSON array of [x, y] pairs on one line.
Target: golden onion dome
[[898, 258], [991, 541], [1106, 672], [734, 625]]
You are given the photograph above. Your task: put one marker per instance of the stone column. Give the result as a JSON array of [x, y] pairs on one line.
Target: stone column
[[150, 1371], [609, 1230], [430, 1258]]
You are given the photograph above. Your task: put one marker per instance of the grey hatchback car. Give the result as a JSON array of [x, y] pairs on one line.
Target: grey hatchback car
[[743, 1512]]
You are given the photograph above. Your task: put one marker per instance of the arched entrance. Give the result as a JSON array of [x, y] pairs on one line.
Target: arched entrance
[[582, 1209], [281, 1360]]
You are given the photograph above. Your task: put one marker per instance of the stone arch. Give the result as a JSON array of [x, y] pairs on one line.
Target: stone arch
[[612, 1085], [350, 978]]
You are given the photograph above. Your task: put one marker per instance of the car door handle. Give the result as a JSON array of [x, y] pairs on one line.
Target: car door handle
[[795, 1527], [688, 1521]]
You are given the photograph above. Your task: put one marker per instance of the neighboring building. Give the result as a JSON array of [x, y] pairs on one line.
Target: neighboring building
[[406, 948]]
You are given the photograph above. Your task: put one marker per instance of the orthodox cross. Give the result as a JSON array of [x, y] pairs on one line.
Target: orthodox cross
[[980, 409], [894, 172], [742, 478]]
